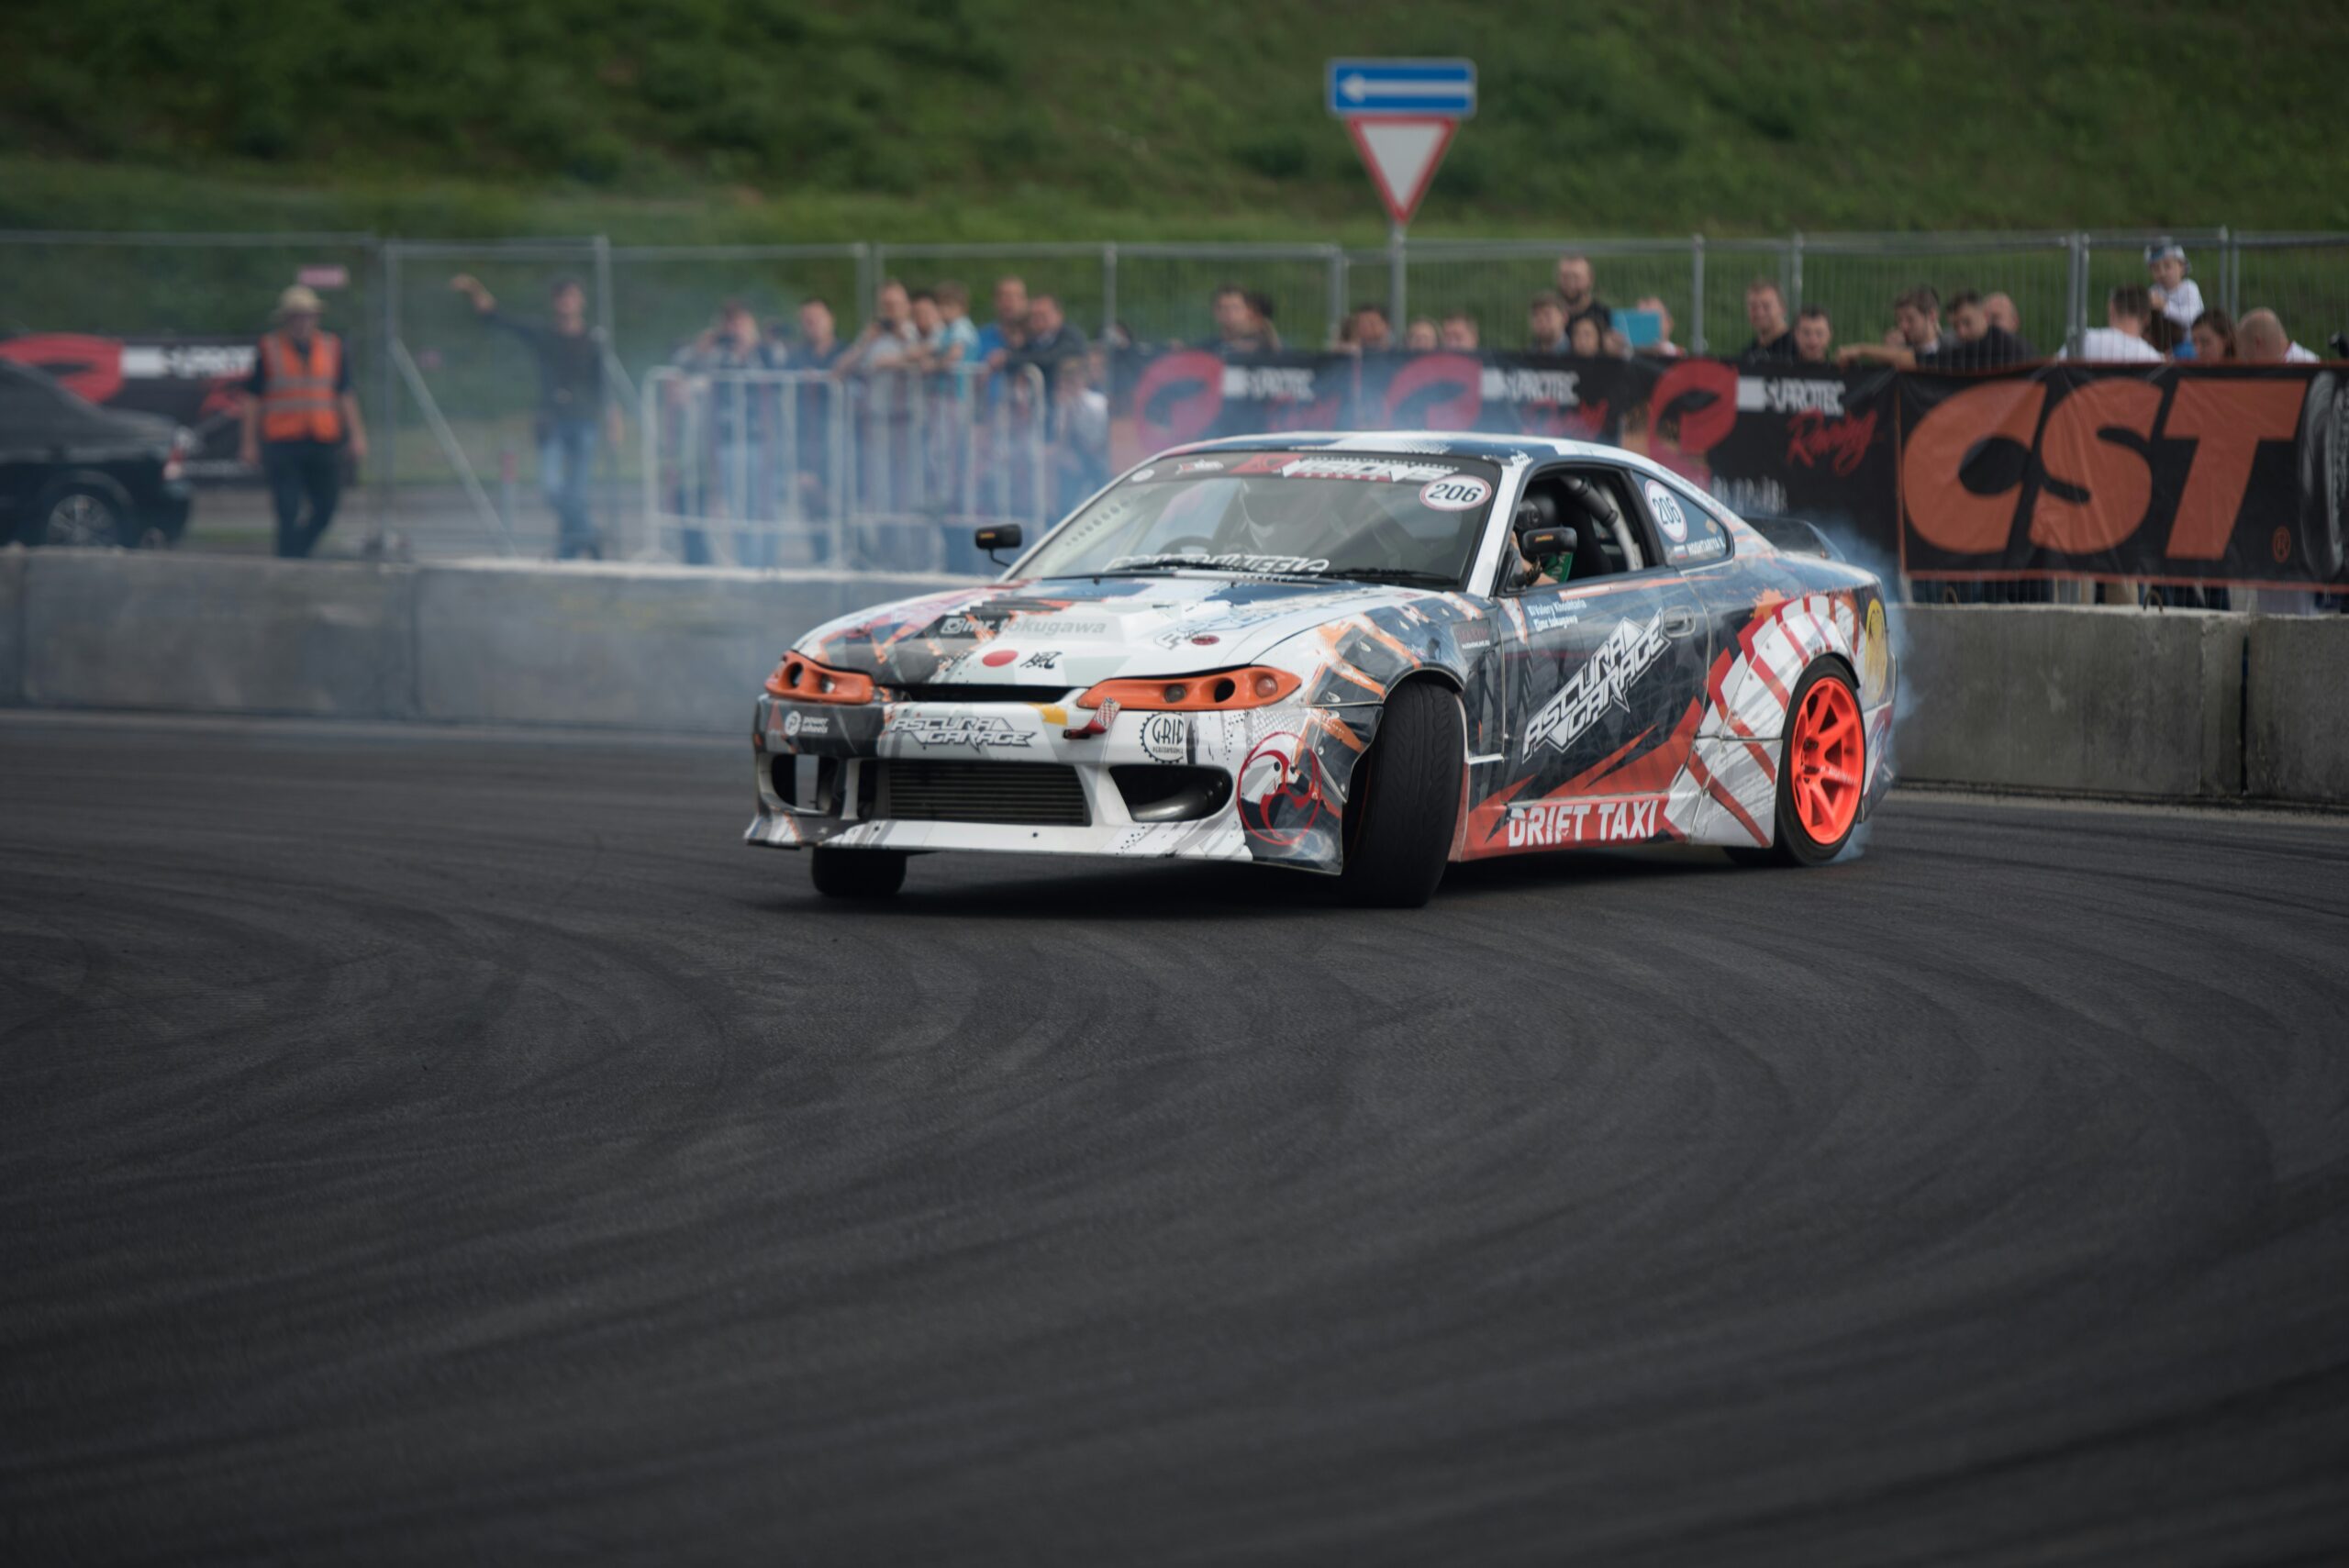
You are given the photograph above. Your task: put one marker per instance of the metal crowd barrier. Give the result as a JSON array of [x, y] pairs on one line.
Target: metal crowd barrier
[[886, 470]]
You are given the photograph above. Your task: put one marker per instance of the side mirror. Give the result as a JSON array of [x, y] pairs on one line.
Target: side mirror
[[1558, 538], [1005, 536]]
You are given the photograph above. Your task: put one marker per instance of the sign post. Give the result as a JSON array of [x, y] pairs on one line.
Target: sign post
[[1401, 114]]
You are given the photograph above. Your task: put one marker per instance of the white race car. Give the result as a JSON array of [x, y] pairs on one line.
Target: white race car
[[1365, 655]]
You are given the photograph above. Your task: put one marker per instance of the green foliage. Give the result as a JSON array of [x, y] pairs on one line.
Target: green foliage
[[945, 117], [1278, 155]]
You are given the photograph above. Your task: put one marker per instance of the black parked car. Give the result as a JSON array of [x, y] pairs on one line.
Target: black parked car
[[74, 473]]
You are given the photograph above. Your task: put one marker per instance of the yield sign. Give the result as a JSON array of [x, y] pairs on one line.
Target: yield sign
[[1401, 154], [1401, 114]]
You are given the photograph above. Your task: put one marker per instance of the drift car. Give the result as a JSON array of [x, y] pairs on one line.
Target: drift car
[[1362, 655]]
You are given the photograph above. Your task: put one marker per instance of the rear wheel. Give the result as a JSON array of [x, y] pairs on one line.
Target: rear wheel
[[1406, 800], [858, 874], [1822, 770]]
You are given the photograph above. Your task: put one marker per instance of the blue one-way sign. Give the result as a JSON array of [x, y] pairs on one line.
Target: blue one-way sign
[[1446, 88]]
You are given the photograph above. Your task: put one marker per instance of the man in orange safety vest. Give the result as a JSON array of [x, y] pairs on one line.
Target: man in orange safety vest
[[301, 417]]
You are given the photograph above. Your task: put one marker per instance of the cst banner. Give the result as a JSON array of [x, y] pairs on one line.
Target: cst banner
[[2159, 472]]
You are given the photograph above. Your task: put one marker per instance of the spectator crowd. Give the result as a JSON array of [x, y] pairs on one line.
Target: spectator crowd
[[1012, 415], [941, 410]]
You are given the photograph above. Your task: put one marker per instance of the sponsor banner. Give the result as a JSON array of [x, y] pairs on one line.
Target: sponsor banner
[[1784, 440], [190, 381], [1503, 394], [2168, 471], [1189, 394], [2164, 473], [1165, 398]]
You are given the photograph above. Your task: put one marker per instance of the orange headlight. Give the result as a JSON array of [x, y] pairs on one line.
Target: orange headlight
[[1210, 692], [803, 680]]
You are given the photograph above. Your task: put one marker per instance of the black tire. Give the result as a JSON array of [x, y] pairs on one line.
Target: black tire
[[1793, 844], [1406, 801], [858, 874], [78, 515]]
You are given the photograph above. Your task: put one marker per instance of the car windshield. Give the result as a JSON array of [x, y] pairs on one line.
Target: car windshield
[[32, 386], [1375, 516]]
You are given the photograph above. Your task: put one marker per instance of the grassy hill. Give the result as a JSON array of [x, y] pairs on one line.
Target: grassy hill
[[812, 119]]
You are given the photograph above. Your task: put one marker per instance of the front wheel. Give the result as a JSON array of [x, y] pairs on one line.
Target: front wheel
[[80, 516], [1822, 769], [858, 874], [1406, 800]]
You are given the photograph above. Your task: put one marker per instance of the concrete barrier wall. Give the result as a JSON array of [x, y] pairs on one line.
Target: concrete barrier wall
[[2296, 733], [215, 634], [2183, 705], [649, 647], [2102, 701], [12, 626]]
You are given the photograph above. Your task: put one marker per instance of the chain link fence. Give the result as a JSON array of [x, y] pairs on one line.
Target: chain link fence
[[663, 297], [1495, 282], [450, 400], [1165, 293], [1075, 275], [2299, 276], [461, 453], [1856, 277]]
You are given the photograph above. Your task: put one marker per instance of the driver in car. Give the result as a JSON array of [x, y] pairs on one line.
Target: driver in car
[[1276, 517], [1538, 511]]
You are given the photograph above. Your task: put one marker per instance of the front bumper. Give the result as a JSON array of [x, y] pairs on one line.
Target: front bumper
[[167, 509], [824, 772]]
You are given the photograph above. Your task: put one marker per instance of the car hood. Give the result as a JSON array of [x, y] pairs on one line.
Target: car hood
[[81, 427], [1059, 632], [155, 429]]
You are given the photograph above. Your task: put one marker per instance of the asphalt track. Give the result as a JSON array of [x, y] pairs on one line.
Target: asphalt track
[[436, 1148]]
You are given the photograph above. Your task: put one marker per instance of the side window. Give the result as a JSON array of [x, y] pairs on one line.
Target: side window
[[1596, 502], [1691, 535]]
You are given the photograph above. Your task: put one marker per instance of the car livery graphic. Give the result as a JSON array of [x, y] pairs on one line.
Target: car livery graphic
[[1362, 655]]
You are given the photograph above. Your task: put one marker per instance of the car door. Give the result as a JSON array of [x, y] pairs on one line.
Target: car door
[[1696, 542], [1606, 678], [27, 440]]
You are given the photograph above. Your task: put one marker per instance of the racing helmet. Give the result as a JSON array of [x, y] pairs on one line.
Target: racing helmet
[[1274, 510]]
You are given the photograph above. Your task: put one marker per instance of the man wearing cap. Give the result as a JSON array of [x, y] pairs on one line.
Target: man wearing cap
[[300, 418]]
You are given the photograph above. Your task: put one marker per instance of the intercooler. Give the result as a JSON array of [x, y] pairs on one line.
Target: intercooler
[[1032, 795]]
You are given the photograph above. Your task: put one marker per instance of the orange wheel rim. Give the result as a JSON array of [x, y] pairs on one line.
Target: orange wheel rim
[[1826, 760]]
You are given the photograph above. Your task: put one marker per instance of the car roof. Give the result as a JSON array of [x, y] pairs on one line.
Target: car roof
[[1497, 448]]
